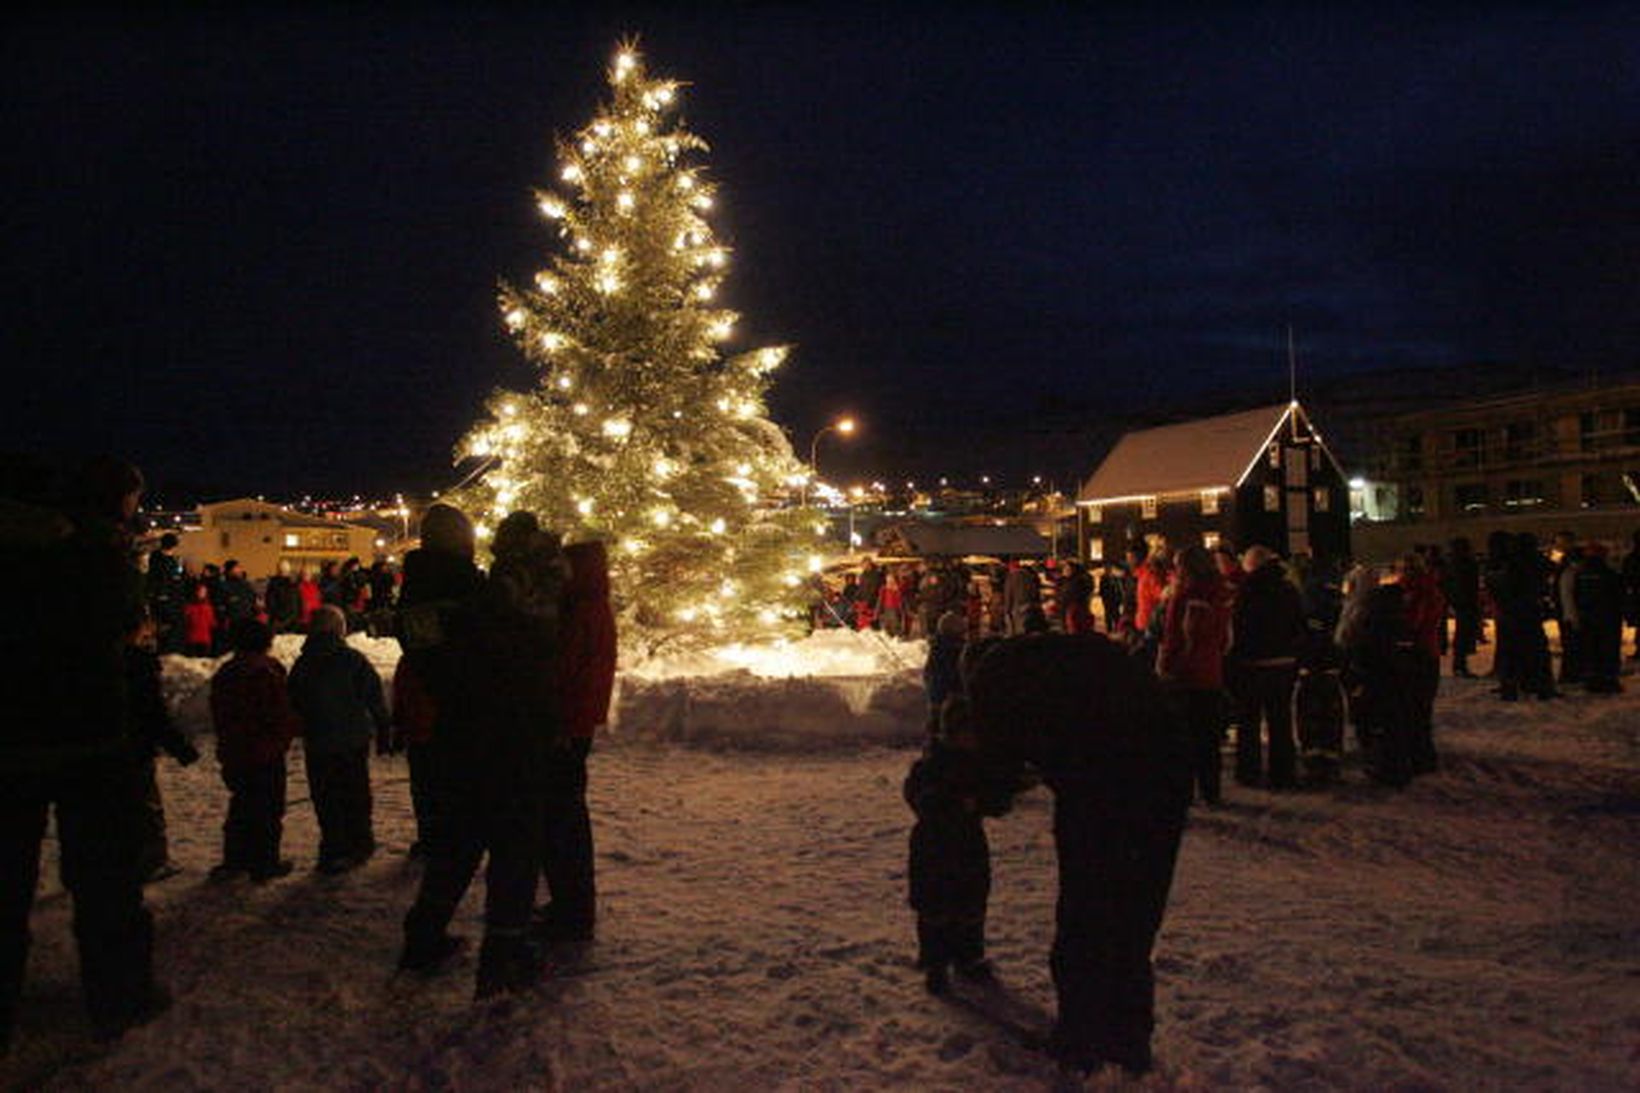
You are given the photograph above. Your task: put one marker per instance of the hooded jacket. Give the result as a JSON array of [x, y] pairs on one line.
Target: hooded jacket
[[587, 658]]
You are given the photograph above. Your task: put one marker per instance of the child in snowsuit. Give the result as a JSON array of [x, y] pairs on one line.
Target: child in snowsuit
[[950, 860], [940, 677], [254, 726], [152, 732], [199, 623], [338, 696]]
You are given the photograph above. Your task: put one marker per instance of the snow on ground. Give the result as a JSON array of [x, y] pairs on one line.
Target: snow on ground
[[1480, 930]]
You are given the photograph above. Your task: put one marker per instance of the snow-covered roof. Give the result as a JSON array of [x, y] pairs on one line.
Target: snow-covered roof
[[961, 540], [1204, 454]]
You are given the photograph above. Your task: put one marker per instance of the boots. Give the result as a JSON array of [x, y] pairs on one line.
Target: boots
[[507, 964]]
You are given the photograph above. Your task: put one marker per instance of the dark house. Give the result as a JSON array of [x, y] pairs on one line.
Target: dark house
[[1259, 476], [923, 539]]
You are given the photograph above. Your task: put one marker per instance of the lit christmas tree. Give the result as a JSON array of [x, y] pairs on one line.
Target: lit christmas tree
[[643, 431]]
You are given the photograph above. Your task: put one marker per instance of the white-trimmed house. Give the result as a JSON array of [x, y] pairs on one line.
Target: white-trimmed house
[[1257, 476]]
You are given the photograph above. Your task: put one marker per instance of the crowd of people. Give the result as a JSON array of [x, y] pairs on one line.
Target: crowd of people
[[504, 679], [1127, 727]]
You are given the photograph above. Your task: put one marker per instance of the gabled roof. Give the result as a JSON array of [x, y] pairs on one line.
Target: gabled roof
[[289, 518], [1209, 453]]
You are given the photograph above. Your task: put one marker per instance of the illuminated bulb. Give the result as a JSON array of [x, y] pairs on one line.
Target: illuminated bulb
[[565, 383], [584, 506], [601, 128], [552, 207], [580, 409], [552, 341], [588, 146], [583, 244], [633, 164], [480, 446], [624, 201], [515, 319], [624, 61], [547, 283], [702, 291], [571, 173], [664, 94], [633, 546], [617, 428], [663, 468], [642, 127], [514, 432], [610, 256], [721, 329], [746, 409], [508, 410], [726, 589], [791, 580], [816, 563], [723, 405], [743, 469], [661, 517], [718, 526], [767, 617], [703, 201], [686, 182], [769, 359], [607, 283], [687, 614], [716, 257]]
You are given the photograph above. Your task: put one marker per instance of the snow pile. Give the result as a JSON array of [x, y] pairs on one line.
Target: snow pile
[[836, 689]]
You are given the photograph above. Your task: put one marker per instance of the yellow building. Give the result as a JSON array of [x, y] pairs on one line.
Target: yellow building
[[260, 535]]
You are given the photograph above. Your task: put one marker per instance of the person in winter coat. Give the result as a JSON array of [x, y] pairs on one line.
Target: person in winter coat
[[940, 675], [1561, 573], [152, 732], [309, 597], [65, 744], [199, 623], [238, 597], [1382, 674], [949, 866], [1190, 662], [1021, 589], [586, 682], [1076, 602], [254, 723], [1463, 594], [1631, 591], [165, 591], [872, 576], [1090, 719], [283, 602], [1425, 619], [1111, 581], [1595, 611], [891, 605], [338, 696], [494, 680], [1268, 628], [439, 578]]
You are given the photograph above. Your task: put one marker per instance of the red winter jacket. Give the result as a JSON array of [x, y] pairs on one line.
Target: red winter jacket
[[251, 712], [1425, 611], [1152, 582], [1195, 634], [198, 623], [308, 595], [587, 665]]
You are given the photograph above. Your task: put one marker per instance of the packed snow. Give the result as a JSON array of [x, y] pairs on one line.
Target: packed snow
[[1480, 930]]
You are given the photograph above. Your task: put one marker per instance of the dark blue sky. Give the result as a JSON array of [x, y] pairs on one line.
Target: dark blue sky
[[260, 251]]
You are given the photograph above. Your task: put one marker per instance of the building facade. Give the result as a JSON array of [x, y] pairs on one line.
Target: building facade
[[1543, 462], [260, 535], [1258, 477]]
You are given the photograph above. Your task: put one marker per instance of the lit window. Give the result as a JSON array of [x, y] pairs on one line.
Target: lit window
[[1323, 499], [1210, 502], [1272, 498], [292, 540], [1095, 514], [1275, 455], [1096, 549], [1147, 508], [1210, 540]]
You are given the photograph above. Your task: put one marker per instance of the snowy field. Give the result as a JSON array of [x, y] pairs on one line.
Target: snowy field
[[1480, 930]]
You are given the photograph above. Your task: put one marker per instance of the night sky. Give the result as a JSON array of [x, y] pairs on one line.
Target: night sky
[[259, 252]]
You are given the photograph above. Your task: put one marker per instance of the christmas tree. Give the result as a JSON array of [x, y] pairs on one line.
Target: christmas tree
[[643, 430]]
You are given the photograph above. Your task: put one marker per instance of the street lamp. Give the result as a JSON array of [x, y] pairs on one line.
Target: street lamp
[[844, 425]]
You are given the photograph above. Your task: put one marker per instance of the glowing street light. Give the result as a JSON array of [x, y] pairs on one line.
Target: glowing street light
[[843, 425]]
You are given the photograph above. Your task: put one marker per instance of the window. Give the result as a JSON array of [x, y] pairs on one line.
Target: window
[[1147, 508], [1096, 550], [1210, 502], [1095, 514], [292, 540], [1275, 455], [1522, 493], [1412, 453], [1415, 501], [338, 540], [226, 539], [1468, 447], [1272, 498], [1520, 440], [1315, 457], [1469, 496], [1321, 498], [1210, 540]]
